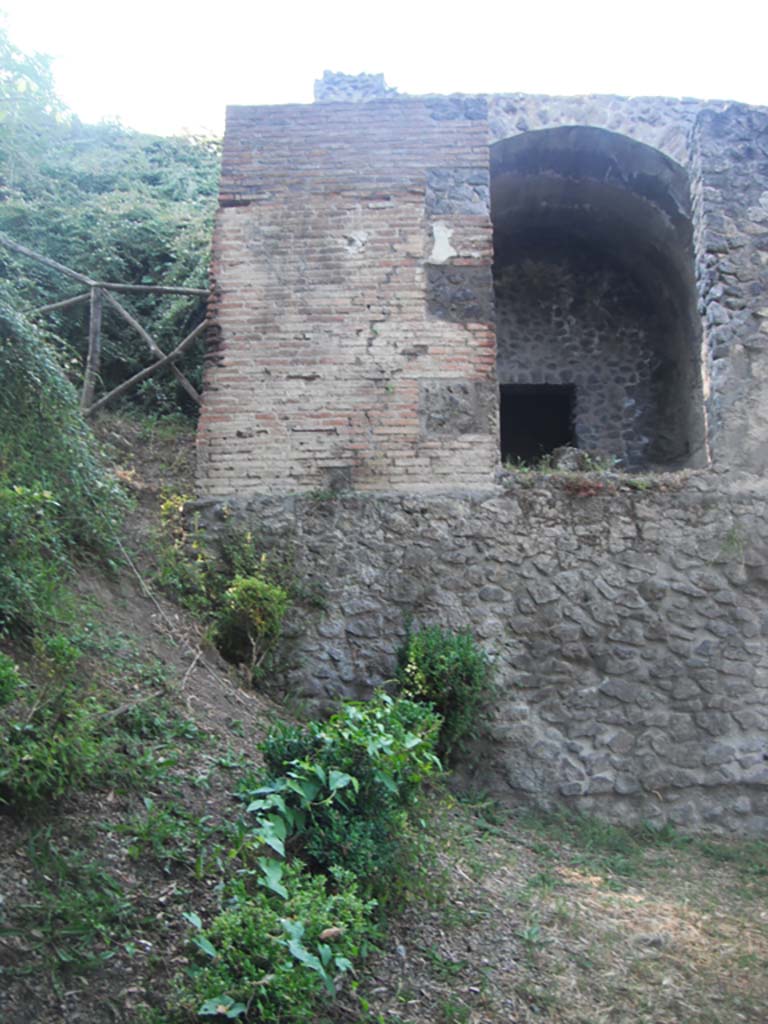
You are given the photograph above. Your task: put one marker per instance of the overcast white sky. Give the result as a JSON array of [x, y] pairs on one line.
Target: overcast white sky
[[167, 66]]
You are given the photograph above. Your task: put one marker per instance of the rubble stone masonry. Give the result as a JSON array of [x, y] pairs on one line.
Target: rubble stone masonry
[[350, 420]]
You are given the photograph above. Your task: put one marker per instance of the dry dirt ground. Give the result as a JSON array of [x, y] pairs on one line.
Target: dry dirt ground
[[547, 919], [516, 917]]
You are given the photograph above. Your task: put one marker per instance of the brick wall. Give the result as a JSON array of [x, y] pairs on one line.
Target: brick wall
[[352, 300], [354, 341]]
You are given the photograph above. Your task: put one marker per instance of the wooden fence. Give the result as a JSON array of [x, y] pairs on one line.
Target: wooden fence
[[97, 294]]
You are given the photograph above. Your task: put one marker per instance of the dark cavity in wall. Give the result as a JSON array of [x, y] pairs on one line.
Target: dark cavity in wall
[[535, 419], [594, 290]]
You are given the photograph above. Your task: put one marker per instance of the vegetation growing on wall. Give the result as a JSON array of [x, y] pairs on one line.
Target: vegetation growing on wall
[[449, 671]]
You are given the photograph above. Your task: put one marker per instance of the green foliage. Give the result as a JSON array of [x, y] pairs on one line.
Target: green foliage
[[341, 790], [248, 624], [10, 680], [175, 838], [451, 672], [48, 740], [339, 793], [184, 568], [56, 497], [80, 910], [272, 958], [239, 590], [112, 203], [34, 556], [60, 734]]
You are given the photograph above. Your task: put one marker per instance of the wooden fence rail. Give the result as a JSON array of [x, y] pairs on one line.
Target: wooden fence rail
[[98, 292]]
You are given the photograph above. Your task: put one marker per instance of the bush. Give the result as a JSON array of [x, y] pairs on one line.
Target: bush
[[274, 957], [339, 793], [347, 784], [56, 498], [452, 673], [248, 625]]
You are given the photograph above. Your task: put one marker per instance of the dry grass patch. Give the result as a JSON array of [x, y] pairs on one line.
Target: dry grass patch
[[563, 921]]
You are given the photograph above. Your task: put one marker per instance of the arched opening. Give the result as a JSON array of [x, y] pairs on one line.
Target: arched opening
[[596, 299]]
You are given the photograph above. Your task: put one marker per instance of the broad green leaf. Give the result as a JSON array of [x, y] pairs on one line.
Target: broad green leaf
[[273, 873], [339, 780], [202, 943], [222, 1005], [267, 836]]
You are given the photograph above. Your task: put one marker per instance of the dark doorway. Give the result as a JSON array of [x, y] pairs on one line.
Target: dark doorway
[[535, 419]]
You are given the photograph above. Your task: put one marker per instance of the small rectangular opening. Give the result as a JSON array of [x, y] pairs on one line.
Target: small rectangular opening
[[535, 419]]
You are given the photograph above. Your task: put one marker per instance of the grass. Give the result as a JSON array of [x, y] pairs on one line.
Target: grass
[[78, 910], [563, 919]]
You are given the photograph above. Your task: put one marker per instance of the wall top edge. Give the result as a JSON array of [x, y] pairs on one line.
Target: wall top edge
[[687, 103]]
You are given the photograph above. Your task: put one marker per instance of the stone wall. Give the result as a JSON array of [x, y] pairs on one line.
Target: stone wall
[[354, 349], [661, 122], [627, 618], [563, 318], [730, 175]]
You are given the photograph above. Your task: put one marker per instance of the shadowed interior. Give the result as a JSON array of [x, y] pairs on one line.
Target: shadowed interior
[[595, 291]]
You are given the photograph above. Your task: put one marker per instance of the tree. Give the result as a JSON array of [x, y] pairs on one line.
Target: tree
[[113, 203]]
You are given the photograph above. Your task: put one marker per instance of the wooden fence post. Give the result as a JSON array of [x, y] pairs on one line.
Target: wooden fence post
[[93, 364]]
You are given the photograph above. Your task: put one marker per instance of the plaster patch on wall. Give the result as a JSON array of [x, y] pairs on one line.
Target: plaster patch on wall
[[450, 407], [442, 250], [356, 242]]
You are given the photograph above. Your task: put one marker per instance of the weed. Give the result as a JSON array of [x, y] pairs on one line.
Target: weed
[[443, 967], [543, 882], [453, 1011], [537, 997], [10, 680], [733, 544], [48, 743], [277, 954], [531, 936], [173, 837], [80, 911], [321, 496]]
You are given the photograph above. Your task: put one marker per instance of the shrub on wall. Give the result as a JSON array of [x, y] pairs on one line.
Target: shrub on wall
[[452, 673], [249, 621]]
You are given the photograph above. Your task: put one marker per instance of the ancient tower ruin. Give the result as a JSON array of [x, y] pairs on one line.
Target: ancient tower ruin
[[410, 292]]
